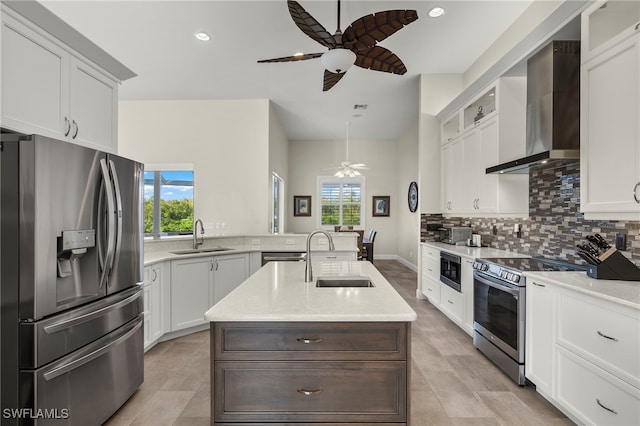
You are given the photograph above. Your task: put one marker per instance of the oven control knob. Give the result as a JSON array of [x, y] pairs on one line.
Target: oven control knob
[[516, 278], [485, 267], [503, 274], [510, 275], [475, 265]]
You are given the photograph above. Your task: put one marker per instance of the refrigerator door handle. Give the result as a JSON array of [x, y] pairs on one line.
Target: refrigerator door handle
[[65, 368], [111, 207], [118, 212], [63, 325]]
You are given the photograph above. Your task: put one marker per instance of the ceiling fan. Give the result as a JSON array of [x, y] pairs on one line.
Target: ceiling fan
[[347, 168], [357, 45]]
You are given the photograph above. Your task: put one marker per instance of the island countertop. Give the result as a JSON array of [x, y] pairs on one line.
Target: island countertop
[[277, 292]]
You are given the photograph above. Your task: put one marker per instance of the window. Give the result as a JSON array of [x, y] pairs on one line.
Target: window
[[341, 201], [278, 202], [168, 200]]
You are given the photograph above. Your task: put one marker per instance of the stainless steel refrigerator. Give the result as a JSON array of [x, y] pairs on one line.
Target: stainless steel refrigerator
[[70, 282]]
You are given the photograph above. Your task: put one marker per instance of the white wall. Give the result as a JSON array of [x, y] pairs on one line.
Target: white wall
[[278, 162], [309, 159], [408, 228], [228, 144]]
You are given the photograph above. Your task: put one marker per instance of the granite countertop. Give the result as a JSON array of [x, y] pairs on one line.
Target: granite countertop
[[625, 293], [277, 292], [474, 252]]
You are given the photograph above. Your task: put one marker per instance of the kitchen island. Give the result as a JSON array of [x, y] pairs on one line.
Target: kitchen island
[[286, 351]]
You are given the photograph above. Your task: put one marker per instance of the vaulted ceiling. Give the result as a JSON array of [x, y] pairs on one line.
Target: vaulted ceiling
[[156, 40]]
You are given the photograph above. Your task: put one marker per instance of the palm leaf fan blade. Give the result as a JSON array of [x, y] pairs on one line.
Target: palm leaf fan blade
[[330, 79], [292, 58], [378, 58], [309, 25], [367, 31]]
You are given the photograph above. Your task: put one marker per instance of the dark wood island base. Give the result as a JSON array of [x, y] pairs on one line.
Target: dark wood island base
[[295, 373]]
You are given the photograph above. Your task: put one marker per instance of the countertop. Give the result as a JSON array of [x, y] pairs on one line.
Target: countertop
[[473, 252], [161, 250], [277, 292], [625, 293]]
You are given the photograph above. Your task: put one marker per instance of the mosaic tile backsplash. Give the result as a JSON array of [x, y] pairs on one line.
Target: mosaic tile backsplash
[[555, 224]]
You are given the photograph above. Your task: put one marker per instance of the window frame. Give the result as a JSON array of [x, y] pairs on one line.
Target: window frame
[[334, 179], [277, 211], [159, 168]]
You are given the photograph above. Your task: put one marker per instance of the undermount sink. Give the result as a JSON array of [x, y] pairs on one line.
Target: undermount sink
[[344, 282], [201, 250]]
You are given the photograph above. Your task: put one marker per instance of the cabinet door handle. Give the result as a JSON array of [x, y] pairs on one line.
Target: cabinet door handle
[[637, 26], [75, 125], [606, 337], [155, 275], [428, 289], [67, 125], [605, 407], [538, 285], [635, 189], [308, 392], [211, 265], [449, 301], [217, 265], [309, 341]]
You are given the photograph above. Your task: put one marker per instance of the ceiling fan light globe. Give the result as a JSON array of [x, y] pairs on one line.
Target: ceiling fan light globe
[[338, 60]]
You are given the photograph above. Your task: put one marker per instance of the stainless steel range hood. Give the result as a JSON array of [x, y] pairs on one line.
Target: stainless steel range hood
[[553, 109]]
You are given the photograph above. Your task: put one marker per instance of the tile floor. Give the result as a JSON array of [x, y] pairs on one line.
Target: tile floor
[[451, 383]]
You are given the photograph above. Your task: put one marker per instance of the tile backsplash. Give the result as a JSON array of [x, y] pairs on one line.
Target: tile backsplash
[[555, 224]]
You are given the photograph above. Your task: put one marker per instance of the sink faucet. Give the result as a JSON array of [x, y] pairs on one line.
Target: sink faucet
[[196, 243], [308, 275]]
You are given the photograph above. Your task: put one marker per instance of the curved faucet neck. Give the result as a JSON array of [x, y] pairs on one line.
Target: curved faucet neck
[[308, 274]]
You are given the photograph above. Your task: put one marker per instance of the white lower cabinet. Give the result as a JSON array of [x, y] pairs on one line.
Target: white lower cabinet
[[153, 310], [191, 291], [539, 344], [452, 303], [431, 289], [582, 353], [594, 396], [228, 273], [199, 283]]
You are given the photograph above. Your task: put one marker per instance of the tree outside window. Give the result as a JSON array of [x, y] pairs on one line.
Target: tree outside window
[[341, 201], [168, 202]]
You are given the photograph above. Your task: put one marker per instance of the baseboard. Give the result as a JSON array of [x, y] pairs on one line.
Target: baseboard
[[405, 262]]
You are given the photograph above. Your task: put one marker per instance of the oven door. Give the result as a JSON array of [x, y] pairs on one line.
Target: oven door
[[498, 314]]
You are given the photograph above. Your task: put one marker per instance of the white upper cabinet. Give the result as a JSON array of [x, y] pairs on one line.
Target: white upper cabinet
[[51, 90], [493, 131], [610, 107]]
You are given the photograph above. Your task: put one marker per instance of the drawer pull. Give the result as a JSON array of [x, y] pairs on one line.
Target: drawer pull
[[538, 285], [310, 341], [607, 337], [309, 392], [449, 301], [605, 407]]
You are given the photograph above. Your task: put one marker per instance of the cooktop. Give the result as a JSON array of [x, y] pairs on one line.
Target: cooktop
[[524, 264]]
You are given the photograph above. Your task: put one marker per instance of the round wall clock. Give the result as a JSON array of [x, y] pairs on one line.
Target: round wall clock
[[413, 197]]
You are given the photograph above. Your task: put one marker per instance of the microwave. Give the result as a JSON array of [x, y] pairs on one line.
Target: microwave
[[454, 234]]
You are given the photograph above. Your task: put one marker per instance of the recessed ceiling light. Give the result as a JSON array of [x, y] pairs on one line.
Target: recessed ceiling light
[[202, 36], [436, 12]]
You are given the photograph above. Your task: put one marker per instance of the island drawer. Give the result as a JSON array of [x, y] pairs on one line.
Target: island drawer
[[310, 391], [310, 341]]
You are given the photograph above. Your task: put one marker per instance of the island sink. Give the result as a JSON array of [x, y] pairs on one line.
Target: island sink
[[344, 282], [201, 250]]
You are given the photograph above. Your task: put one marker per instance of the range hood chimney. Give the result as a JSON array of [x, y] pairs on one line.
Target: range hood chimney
[[553, 109]]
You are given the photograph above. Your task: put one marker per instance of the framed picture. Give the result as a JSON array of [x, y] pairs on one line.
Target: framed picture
[[302, 205], [381, 204]]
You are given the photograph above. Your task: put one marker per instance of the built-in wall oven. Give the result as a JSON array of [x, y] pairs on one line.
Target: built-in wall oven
[[450, 269], [499, 292]]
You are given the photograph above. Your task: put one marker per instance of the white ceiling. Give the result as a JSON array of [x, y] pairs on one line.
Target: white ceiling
[[155, 40]]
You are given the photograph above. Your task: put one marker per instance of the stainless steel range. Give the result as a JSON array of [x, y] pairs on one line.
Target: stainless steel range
[[499, 308]]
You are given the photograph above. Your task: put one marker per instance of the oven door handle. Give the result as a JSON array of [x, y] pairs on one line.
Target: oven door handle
[[512, 291]]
